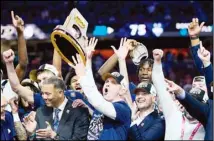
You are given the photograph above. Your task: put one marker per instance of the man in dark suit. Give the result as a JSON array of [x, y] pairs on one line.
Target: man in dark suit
[[57, 119], [147, 124]]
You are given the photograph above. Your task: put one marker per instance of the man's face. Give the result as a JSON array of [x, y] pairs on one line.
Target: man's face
[[145, 72], [3, 106], [144, 100], [75, 85], [42, 76], [51, 95], [111, 89], [200, 85]]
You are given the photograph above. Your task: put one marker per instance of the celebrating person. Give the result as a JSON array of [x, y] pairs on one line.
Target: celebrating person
[[20, 69], [204, 66], [203, 112], [147, 123], [185, 127], [58, 119], [115, 114]]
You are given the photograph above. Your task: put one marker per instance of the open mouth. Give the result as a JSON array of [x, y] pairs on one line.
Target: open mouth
[[144, 78], [105, 91], [141, 100], [78, 88]]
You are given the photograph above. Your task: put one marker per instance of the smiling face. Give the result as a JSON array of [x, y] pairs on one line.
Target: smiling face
[[144, 100], [51, 95], [145, 72], [75, 85], [111, 89]]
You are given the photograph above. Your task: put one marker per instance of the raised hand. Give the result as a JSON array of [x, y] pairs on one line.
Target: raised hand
[[174, 88], [203, 54], [132, 44], [30, 122], [8, 56], [194, 29], [157, 55], [78, 65], [89, 47], [14, 104], [123, 49], [17, 21]]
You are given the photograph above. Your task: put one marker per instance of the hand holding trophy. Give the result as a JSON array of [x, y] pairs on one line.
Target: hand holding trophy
[[137, 50], [69, 39]]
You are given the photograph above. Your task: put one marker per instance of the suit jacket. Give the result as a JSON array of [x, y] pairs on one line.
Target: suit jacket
[[151, 128], [201, 111], [73, 125]]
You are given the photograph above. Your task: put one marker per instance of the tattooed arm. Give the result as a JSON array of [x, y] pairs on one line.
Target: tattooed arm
[[20, 130], [21, 133]]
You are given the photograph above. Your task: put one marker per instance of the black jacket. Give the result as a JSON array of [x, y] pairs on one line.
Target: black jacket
[[151, 128], [73, 124]]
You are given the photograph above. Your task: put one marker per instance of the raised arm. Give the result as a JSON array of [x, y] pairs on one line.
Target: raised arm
[[168, 105], [122, 53], [18, 23], [194, 30], [57, 62], [108, 65], [204, 56], [196, 108], [23, 92], [88, 85]]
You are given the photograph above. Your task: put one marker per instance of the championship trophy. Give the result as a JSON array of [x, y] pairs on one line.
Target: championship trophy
[[138, 51], [70, 38]]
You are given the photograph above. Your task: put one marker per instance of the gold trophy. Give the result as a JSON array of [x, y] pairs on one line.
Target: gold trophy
[[70, 38]]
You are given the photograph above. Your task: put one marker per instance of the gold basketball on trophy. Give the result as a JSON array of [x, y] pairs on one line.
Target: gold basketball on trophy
[[69, 38]]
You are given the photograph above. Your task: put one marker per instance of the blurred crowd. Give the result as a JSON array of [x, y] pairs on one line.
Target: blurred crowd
[[47, 14]]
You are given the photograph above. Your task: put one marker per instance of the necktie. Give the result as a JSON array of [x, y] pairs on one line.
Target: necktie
[[56, 119]]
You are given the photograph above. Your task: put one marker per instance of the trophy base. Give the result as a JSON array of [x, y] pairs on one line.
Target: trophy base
[[66, 45]]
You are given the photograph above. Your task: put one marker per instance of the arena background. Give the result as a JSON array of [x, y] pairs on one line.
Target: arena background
[[156, 24]]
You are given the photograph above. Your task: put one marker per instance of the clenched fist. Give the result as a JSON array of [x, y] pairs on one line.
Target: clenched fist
[[157, 55], [8, 56]]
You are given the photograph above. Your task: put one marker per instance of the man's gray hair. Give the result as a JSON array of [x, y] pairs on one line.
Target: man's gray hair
[[56, 81]]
